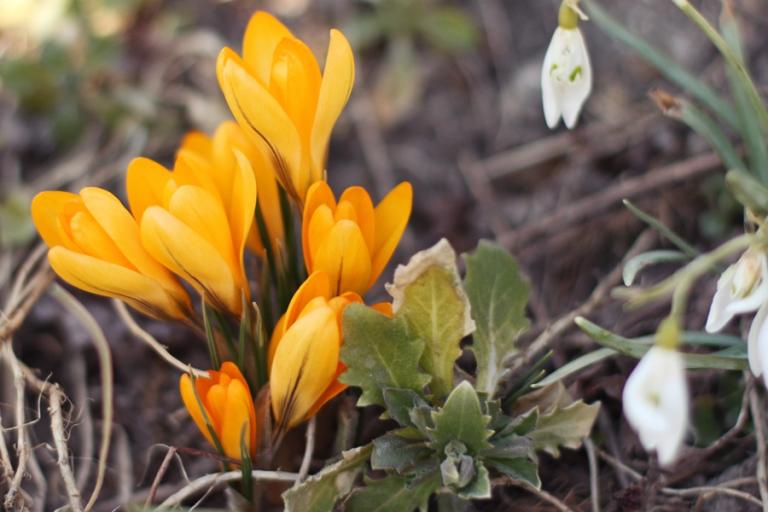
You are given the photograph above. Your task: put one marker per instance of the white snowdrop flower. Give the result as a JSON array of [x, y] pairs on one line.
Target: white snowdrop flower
[[742, 288], [566, 75], [655, 402]]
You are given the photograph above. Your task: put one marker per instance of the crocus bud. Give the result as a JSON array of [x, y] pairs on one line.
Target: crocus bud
[[95, 246], [282, 101], [655, 402], [350, 240], [566, 75], [221, 406], [304, 352]]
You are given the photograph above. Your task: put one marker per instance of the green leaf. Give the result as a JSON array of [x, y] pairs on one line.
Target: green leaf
[[725, 360], [394, 493], [399, 403], [379, 353], [498, 295], [479, 487], [320, 492], [564, 427], [748, 191], [449, 29], [428, 295], [391, 451], [520, 468], [576, 365], [462, 420], [662, 229], [636, 264]]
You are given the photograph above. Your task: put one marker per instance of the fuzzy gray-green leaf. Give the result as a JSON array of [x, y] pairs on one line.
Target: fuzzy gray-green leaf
[[379, 353], [394, 493], [461, 419], [498, 294]]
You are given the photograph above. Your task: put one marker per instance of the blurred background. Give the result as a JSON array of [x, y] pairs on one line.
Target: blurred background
[[447, 96]]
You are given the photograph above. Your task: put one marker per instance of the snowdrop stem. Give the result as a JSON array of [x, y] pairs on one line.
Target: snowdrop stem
[[668, 333]]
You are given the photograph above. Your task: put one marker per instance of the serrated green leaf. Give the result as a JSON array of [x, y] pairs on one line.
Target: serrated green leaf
[[379, 353], [394, 452], [480, 487], [434, 312], [399, 402], [521, 468], [498, 295], [564, 427], [320, 492], [462, 419], [395, 493]]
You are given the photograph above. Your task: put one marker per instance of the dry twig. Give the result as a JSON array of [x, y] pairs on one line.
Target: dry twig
[[541, 493], [308, 451], [759, 422]]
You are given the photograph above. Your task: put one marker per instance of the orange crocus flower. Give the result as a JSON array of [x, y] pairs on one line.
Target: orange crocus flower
[[225, 401]]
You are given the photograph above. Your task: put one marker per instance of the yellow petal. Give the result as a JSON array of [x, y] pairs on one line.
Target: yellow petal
[[122, 228], [187, 254], [274, 341], [330, 392], [187, 390], [110, 280], [145, 184], [295, 82], [215, 403], [262, 117], [318, 284], [319, 193], [199, 143], [46, 210], [304, 366], [318, 230], [93, 240], [361, 202], [263, 34], [392, 215], [242, 208], [239, 419], [205, 215], [344, 256], [192, 169], [335, 88]]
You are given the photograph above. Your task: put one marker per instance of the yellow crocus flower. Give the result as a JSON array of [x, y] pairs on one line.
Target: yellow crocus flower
[[350, 240], [304, 352], [95, 246], [279, 97], [218, 152], [226, 404], [195, 221]]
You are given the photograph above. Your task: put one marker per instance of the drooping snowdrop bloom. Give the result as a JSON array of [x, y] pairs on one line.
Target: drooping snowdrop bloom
[[743, 288], [566, 75], [655, 397]]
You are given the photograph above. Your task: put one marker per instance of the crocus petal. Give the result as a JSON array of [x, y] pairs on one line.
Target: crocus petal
[[318, 194], [237, 417], [46, 208], [719, 315], [363, 206], [262, 116], [392, 215], [121, 227], [197, 142], [344, 256], [242, 210], [185, 253], [93, 240], [336, 86], [263, 34], [111, 280], [295, 82], [308, 358], [192, 404], [318, 284], [145, 184], [330, 392]]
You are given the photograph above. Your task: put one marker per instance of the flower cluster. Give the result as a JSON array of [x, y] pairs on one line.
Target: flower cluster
[[229, 200]]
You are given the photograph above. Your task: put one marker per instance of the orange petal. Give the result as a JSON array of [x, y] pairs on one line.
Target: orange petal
[[392, 215], [145, 184], [361, 202], [385, 308], [263, 34], [318, 284], [344, 256], [331, 391], [242, 210], [319, 193], [199, 143], [295, 82], [93, 240], [274, 341], [335, 88], [318, 230], [239, 420], [193, 406], [46, 209]]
